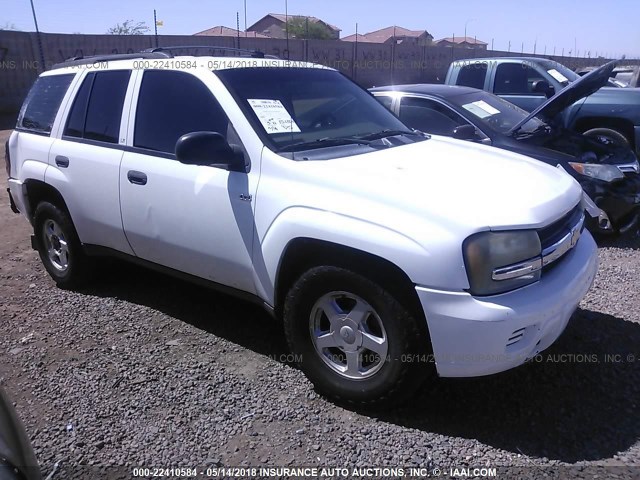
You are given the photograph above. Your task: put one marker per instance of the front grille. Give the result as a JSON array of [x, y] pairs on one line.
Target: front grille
[[552, 236], [558, 229]]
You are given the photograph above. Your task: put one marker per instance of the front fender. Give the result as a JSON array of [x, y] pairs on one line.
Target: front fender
[[303, 222]]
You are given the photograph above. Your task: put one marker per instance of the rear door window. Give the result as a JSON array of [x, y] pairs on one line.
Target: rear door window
[[97, 109], [42, 103], [385, 100], [78, 113], [429, 116], [472, 75]]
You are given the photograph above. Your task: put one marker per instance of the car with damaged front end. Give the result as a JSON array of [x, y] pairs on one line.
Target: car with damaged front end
[[608, 173]]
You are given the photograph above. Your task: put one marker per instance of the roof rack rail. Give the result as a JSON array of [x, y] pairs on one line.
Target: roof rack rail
[[244, 51], [70, 62]]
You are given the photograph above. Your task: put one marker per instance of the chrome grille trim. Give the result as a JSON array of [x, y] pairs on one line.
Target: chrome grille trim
[[632, 167], [549, 255]]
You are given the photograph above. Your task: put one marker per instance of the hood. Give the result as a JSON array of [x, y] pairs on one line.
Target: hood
[[456, 185], [585, 86]]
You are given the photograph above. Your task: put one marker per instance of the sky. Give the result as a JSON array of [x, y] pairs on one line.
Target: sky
[[593, 26]]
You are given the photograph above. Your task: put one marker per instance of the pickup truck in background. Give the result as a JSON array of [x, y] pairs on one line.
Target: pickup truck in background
[[610, 113]]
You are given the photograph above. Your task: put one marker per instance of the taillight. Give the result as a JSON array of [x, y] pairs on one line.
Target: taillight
[[7, 158]]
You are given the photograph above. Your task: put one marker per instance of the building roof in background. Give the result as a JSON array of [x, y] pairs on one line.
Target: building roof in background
[[355, 37], [458, 40], [222, 31], [384, 34]]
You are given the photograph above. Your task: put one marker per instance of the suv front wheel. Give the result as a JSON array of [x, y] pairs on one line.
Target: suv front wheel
[[353, 340], [59, 247]]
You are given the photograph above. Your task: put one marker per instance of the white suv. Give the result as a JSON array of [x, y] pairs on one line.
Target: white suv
[[389, 254]]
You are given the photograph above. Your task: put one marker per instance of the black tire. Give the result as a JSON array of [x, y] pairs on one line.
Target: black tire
[[614, 136], [75, 271], [406, 365]]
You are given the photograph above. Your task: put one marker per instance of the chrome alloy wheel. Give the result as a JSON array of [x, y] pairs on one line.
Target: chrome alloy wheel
[[56, 245], [348, 335]]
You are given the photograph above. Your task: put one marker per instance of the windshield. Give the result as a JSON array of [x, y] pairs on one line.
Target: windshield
[[495, 112], [561, 73], [297, 108]]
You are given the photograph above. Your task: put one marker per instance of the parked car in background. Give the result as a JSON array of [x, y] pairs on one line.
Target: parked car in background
[[609, 174], [528, 82], [17, 460], [289, 185]]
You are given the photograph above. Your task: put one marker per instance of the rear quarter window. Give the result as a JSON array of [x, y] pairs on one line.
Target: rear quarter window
[[472, 75], [42, 103]]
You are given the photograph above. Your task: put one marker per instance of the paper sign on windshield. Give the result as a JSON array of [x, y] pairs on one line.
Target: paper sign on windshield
[[273, 116], [557, 75], [481, 108]]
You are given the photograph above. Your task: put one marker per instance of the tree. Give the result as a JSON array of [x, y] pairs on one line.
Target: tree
[[128, 27], [300, 27], [8, 26]]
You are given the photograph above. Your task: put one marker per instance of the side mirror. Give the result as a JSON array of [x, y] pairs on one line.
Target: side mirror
[[465, 132], [209, 149], [542, 86]]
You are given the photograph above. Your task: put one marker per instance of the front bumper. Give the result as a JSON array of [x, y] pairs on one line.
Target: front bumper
[[475, 336]]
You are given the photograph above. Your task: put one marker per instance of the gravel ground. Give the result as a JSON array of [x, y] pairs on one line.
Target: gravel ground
[[144, 370]]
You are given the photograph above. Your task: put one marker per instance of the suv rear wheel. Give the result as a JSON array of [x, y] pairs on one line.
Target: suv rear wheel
[[353, 340], [59, 246]]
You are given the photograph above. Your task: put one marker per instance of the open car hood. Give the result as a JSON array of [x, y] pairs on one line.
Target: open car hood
[[581, 88]]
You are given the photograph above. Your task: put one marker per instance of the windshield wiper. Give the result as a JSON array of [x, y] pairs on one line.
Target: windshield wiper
[[392, 133], [324, 142]]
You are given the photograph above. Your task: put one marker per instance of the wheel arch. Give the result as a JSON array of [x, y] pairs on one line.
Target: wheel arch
[[622, 125], [304, 253], [39, 191]]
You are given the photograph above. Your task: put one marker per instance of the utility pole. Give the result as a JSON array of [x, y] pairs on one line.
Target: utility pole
[[155, 26], [355, 55], [465, 28], [238, 27], [35, 21], [286, 18], [245, 15]]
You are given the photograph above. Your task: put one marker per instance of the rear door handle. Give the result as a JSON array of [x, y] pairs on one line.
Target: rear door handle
[[61, 161], [137, 178]]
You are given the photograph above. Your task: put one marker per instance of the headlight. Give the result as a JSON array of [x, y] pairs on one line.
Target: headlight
[[606, 173], [497, 262]]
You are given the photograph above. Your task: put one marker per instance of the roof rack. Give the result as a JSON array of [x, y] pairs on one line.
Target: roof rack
[[242, 51], [69, 62]]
